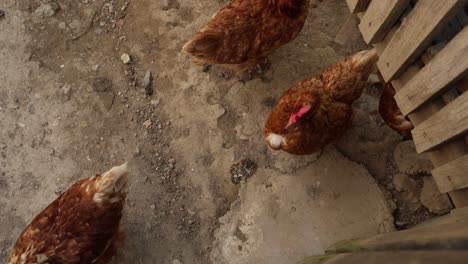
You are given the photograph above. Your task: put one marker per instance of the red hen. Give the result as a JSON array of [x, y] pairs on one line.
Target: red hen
[[317, 111], [80, 226], [244, 33]]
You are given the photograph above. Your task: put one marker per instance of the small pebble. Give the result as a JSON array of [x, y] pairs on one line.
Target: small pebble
[[147, 123], [148, 83], [47, 9], [62, 25], [125, 6], [147, 79], [137, 151], [2, 14], [74, 24], [125, 58], [66, 91]]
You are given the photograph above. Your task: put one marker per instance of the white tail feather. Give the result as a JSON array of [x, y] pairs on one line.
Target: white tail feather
[[114, 180]]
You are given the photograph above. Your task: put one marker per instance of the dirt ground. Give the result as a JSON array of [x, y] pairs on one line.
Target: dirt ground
[[70, 107]]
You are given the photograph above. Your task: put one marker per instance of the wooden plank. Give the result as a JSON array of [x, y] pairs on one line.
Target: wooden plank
[[415, 33], [450, 122], [446, 67], [379, 18], [391, 257], [357, 6], [434, 237], [459, 198], [447, 152], [453, 175]]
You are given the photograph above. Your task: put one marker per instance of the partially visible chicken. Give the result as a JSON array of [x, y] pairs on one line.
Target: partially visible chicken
[[80, 226], [244, 33], [317, 111], [391, 113]]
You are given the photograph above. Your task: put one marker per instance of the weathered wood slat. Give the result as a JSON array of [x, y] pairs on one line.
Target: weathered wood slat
[[379, 18], [447, 152], [415, 33], [392, 257], [357, 6], [449, 122], [453, 175], [435, 237], [446, 67]]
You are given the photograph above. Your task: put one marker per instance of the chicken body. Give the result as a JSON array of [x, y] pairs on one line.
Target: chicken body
[[391, 113], [318, 110], [244, 33], [81, 226]]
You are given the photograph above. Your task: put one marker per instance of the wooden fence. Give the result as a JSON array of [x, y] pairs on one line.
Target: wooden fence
[[423, 52]]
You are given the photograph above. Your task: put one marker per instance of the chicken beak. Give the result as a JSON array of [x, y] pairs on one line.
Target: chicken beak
[[365, 59]]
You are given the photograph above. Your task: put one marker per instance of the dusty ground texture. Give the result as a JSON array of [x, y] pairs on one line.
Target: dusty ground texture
[[70, 107]]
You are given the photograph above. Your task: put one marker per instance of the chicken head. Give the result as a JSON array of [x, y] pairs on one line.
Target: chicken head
[[294, 111]]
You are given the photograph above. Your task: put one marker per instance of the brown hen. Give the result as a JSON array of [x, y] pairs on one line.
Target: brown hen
[[80, 226], [391, 113], [244, 33], [317, 111]]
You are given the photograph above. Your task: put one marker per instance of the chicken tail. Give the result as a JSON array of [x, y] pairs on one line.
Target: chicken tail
[[113, 181], [203, 46], [364, 61], [345, 80]]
